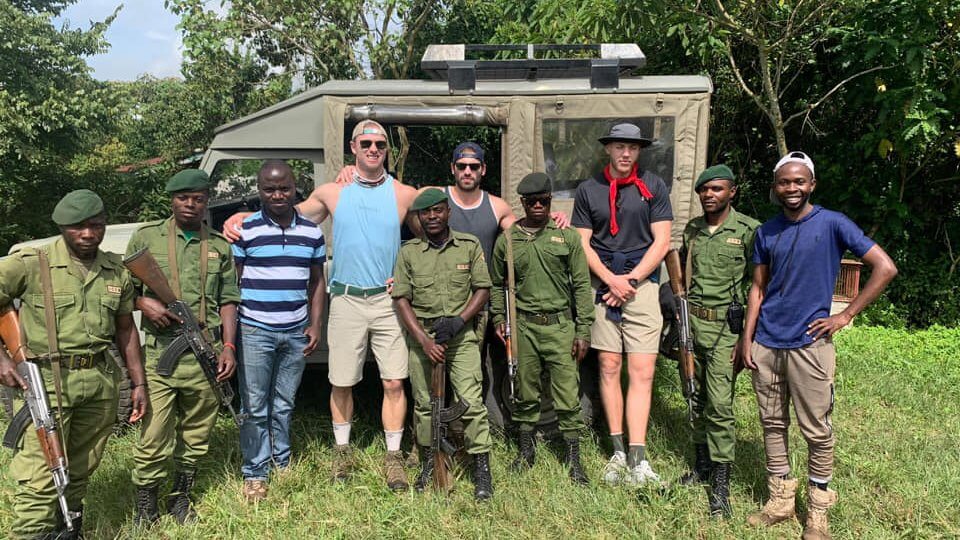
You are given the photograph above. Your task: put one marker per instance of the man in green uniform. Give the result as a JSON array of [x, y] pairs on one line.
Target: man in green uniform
[[554, 304], [440, 284], [717, 247], [198, 265], [87, 297]]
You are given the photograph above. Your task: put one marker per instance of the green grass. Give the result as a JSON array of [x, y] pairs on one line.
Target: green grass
[[897, 419]]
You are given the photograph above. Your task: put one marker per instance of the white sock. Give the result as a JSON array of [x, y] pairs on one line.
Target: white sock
[[341, 433], [393, 440]]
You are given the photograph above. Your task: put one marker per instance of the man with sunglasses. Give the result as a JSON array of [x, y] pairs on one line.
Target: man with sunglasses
[[366, 217], [554, 313], [788, 336], [623, 216]]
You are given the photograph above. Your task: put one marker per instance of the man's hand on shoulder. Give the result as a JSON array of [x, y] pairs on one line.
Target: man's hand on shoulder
[[345, 177], [233, 225], [561, 219]]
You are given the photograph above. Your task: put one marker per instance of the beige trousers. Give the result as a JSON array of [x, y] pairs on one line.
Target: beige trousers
[[803, 376]]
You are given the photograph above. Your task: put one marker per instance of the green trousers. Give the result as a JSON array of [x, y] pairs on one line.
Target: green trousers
[[89, 399], [713, 402], [183, 410], [466, 377], [550, 346]]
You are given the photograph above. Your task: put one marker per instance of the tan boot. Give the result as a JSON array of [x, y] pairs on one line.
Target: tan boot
[[818, 502], [780, 506], [395, 472], [342, 462]]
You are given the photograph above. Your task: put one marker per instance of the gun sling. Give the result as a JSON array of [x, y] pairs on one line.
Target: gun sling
[[512, 291], [168, 360]]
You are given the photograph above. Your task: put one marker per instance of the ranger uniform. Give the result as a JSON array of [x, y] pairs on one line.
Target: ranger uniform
[[88, 300], [718, 273], [440, 282], [554, 306], [184, 406]]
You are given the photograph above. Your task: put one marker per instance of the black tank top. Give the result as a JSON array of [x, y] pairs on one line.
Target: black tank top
[[480, 221]]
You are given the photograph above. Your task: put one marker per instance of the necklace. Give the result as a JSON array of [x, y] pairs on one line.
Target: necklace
[[368, 183]]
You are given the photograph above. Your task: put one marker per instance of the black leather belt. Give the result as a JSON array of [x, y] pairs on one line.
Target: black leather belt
[[81, 361]]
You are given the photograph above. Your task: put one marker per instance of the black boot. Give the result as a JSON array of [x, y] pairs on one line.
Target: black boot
[[147, 511], [178, 502], [700, 474], [527, 454], [482, 481], [720, 491], [572, 460], [426, 469]]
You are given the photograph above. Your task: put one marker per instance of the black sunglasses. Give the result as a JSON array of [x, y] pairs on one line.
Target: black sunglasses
[[473, 166], [381, 145], [542, 200]]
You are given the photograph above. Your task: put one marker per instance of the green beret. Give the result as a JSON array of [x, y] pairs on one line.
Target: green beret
[[77, 206], [428, 198], [537, 182], [713, 173], [188, 180]]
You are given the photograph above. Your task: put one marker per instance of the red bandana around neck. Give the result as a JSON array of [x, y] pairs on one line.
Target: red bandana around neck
[[615, 184]]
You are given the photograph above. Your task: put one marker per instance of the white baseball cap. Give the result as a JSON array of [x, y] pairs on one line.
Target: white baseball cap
[[796, 157]]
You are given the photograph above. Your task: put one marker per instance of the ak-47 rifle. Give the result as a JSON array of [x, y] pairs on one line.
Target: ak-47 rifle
[[36, 410], [189, 333], [687, 376], [440, 418], [510, 317]]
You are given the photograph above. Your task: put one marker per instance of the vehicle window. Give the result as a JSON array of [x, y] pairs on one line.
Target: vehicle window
[[237, 178], [571, 152]]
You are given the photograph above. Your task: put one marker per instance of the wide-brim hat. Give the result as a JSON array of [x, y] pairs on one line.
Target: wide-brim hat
[[626, 133]]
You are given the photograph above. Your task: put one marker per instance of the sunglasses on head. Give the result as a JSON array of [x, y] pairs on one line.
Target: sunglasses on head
[[542, 200], [473, 166], [381, 145]]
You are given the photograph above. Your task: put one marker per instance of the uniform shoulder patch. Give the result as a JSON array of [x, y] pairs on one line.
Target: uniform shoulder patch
[[735, 241]]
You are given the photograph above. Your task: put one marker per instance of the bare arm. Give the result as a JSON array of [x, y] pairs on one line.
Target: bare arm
[[651, 260], [503, 212], [227, 362], [758, 288], [476, 303], [409, 321], [128, 340], [317, 300], [883, 270], [321, 202]]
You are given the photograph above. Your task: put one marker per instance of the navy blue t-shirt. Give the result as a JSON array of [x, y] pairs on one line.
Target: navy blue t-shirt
[[803, 259]]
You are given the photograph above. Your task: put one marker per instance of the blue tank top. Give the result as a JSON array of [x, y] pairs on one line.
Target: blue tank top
[[366, 235]]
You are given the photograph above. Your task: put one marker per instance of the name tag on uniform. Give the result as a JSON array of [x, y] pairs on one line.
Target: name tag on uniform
[[735, 241], [557, 239], [114, 289], [463, 267], [213, 255]]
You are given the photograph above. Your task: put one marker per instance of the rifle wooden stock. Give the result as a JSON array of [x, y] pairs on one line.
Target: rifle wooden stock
[[11, 333], [142, 265], [675, 271], [687, 374], [442, 479]]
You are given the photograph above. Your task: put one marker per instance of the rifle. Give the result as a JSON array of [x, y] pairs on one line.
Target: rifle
[[189, 333], [510, 315], [440, 418], [687, 377], [36, 410]]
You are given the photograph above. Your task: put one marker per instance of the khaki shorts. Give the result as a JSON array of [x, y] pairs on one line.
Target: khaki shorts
[[639, 332], [353, 323]]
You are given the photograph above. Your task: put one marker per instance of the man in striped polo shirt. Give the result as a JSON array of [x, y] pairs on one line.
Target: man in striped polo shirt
[[279, 258]]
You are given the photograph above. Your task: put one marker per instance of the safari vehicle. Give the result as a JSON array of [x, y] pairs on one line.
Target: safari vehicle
[[542, 112]]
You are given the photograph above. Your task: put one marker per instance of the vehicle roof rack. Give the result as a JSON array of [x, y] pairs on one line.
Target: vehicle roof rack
[[450, 63]]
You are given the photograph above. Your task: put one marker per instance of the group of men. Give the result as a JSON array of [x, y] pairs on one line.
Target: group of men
[[427, 302]]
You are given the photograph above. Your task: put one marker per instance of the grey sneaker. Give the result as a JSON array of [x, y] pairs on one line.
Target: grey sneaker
[[615, 469], [641, 474]]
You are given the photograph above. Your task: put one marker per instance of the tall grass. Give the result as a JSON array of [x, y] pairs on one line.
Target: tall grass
[[897, 420]]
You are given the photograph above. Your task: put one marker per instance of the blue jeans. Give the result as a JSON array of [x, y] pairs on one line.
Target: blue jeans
[[271, 365]]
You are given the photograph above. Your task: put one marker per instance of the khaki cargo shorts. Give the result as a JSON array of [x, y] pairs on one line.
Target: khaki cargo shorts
[[354, 322], [639, 332]]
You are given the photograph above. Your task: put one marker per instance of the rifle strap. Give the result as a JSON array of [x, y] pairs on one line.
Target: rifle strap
[[688, 270], [175, 268], [511, 291], [50, 318]]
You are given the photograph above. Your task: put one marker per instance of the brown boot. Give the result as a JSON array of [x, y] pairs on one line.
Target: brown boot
[[818, 502], [342, 462], [780, 506], [395, 472]]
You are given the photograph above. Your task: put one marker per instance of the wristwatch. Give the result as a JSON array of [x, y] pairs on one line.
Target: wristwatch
[[634, 282]]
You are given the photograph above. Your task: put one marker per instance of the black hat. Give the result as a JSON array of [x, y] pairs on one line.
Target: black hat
[[536, 182]]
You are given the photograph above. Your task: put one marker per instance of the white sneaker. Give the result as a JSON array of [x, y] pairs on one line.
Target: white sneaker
[[640, 475], [615, 469]]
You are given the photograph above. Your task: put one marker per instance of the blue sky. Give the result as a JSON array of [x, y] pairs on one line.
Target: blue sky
[[143, 38]]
